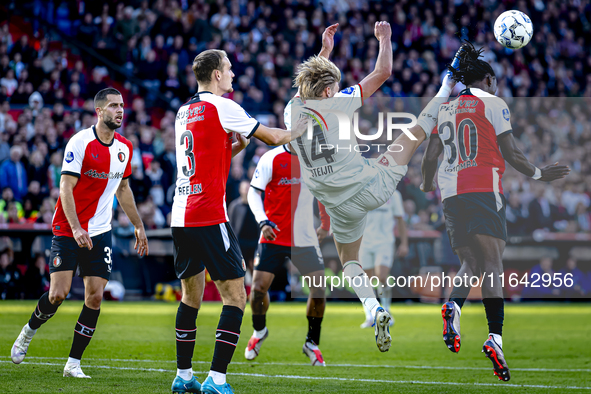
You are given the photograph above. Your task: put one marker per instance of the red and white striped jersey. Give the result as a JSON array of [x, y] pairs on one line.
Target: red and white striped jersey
[[203, 133], [288, 201], [469, 127], [100, 168]]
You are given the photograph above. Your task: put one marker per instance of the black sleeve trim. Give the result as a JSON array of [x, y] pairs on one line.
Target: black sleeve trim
[[256, 126], [71, 173], [256, 188], [505, 133], [127, 177]]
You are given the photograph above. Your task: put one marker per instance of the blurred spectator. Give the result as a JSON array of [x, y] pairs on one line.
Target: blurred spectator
[[535, 274], [36, 279], [580, 284], [13, 173], [10, 276], [243, 223], [542, 213]]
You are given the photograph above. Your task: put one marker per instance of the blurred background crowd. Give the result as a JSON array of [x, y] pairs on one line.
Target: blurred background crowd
[[56, 55]]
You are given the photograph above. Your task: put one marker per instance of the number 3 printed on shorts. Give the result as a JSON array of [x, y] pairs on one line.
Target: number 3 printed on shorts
[[108, 259]]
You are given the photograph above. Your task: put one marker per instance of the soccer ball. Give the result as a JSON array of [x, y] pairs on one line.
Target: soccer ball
[[513, 29]]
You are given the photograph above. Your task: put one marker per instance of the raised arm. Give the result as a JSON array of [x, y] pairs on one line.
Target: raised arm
[[328, 40], [514, 156], [429, 164], [383, 68]]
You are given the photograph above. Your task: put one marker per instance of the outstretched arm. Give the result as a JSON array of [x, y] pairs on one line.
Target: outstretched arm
[[429, 164], [275, 137], [383, 69], [514, 156], [328, 40]]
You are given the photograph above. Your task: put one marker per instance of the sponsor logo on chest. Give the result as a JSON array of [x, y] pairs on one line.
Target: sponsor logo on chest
[[103, 175], [288, 181]]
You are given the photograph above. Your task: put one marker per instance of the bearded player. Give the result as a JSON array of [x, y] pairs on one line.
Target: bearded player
[[96, 167]]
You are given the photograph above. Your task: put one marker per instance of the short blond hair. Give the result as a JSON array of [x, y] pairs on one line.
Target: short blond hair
[[314, 75]]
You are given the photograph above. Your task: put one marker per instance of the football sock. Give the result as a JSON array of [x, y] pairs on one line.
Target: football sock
[[43, 312], [73, 361], [386, 298], [185, 374], [186, 331], [495, 314], [84, 331], [497, 338], [368, 315], [356, 278], [227, 335], [217, 377], [259, 322], [459, 294], [314, 329]]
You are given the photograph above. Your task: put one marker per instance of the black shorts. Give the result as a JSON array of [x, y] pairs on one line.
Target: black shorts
[[271, 257], [66, 255], [474, 213], [213, 247]]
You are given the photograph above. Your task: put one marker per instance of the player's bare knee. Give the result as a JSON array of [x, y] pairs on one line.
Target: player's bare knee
[[93, 300], [56, 297], [317, 294]]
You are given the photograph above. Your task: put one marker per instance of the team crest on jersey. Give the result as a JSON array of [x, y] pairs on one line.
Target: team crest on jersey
[[57, 261], [506, 114], [384, 161], [121, 157], [69, 157]]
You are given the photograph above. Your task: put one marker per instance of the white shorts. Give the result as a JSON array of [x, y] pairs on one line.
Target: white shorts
[[372, 256], [347, 220]]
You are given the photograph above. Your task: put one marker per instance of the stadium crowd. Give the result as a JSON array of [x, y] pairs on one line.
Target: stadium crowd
[[46, 89]]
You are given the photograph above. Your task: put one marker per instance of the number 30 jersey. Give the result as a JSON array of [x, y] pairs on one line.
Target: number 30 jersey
[[469, 127], [203, 137], [332, 166]]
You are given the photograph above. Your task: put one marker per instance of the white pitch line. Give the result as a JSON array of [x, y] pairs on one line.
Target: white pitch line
[[328, 365], [259, 375]]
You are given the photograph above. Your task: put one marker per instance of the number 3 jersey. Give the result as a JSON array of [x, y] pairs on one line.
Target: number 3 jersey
[[203, 137], [468, 128], [332, 168]]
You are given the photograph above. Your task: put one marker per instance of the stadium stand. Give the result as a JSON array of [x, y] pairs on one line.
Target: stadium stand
[[55, 55]]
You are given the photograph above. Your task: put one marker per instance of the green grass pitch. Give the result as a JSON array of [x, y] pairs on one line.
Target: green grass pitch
[[133, 351]]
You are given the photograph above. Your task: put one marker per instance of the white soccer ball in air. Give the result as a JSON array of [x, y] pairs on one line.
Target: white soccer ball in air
[[513, 29]]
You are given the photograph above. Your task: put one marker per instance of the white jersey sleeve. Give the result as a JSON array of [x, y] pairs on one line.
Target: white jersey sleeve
[[497, 113], [74, 156], [355, 93], [397, 208], [235, 119], [263, 173]]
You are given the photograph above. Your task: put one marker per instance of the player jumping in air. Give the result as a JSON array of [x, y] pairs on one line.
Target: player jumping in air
[[96, 167], [287, 232], [378, 245], [201, 231], [474, 131], [348, 185], [286, 221]]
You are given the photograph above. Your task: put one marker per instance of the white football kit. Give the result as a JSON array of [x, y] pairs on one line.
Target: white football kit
[[345, 182]]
